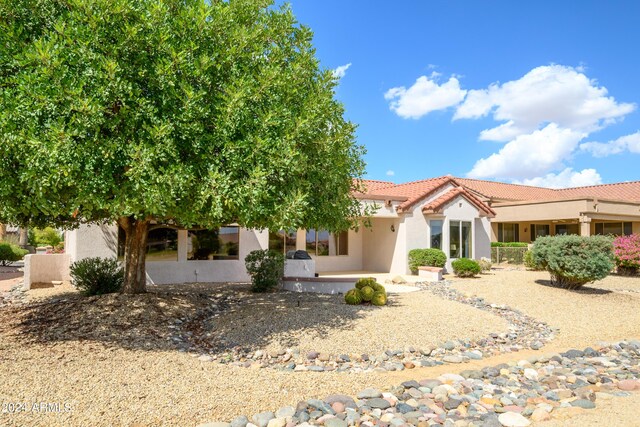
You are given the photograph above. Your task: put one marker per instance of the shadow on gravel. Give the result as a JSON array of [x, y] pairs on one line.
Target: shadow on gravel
[[587, 290], [191, 317]]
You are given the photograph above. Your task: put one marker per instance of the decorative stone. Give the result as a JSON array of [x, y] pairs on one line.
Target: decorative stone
[[513, 419]]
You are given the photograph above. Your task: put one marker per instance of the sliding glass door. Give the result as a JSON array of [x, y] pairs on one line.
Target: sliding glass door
[[460, 239]]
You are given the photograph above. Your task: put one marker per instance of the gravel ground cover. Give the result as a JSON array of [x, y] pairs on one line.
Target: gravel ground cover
[[110, 377], [607, 310], [538, 389]]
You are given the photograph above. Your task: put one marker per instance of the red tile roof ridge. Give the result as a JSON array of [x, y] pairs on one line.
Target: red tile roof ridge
[[597, 185]]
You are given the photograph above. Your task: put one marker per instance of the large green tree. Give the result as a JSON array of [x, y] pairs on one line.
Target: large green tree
[[181, 111]]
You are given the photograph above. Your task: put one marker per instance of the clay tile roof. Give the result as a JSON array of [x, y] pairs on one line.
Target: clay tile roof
[[373, 185], [628, 191], [436, 204], [502, 191], [413, 191]]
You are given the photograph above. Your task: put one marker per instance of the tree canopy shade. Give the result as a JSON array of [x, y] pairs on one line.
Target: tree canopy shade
[[191, 112]]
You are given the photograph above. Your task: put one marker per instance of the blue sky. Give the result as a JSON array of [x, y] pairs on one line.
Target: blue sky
[[543, 93]]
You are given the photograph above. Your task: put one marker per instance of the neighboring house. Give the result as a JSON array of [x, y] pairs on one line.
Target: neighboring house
[[524, 213], [458, 215]]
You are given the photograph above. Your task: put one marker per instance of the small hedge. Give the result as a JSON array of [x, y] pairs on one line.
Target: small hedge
[[509, 244], [266, 268], [431, 257], [465, 267], [573, 261], [529, 263], [11, 253], [97, 276], [366, 291]]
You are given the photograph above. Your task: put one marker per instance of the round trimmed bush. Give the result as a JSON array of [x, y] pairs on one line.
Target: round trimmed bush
[[465, 267], [431, 257], [573, 261], [266, 268], [367, 293], [379, 298], [353, 297], [365, 281]]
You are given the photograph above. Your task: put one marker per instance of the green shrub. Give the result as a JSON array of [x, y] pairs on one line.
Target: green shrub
[[529, 263], [367, 293], [512, 255], [11, 253], [426, 257], [365, 281], [465, 267], [97, 276], [44, 237], [266, 268], [573, 261], [353, 296], [509, 244], [485, 265], [379, 298]]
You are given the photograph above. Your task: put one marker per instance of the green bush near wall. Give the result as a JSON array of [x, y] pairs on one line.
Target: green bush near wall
[[511, 255], [465, 267], [431, 257], [11, 253]]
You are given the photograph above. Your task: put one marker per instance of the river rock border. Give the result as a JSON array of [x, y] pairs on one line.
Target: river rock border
[[523, 332], [537, 389]]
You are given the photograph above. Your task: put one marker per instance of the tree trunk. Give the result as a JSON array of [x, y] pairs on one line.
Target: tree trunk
[[135, 253], [3, 232], [24, 237]]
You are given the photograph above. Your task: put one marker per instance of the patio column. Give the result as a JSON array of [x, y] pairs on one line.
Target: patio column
[[585, 225]]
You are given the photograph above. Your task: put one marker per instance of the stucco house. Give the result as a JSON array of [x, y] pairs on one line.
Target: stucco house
[[461, 216]]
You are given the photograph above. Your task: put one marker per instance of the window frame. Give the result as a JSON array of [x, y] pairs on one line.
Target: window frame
[[220, 257], [460, 239], [431, 236], [337, 242]]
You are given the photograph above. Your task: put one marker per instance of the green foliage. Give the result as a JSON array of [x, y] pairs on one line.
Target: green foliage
[[11, 253], [379, 298], [353, 297], [465, 267], [432, 257], [97, 276], [47, 236], [509, 244], [365, 281], [573, 261], [266, 268], [485, 265], [367, 293], [529, 263], [199, 113]]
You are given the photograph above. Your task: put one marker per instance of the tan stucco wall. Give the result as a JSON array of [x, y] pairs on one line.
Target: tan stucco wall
[[379, 244], [351, 262], [45, 268]]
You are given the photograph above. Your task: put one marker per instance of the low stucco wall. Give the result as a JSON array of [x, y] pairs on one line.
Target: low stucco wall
[[299, 268], [46, 268]]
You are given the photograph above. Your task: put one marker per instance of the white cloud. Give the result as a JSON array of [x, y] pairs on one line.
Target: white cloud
[[530, 155], [629, 143], [565, 179], [424, 96], [341, 71], [546, 94], [390, 173]]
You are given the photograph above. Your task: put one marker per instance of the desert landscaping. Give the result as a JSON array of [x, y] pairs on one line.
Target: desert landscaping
[[192, 354]]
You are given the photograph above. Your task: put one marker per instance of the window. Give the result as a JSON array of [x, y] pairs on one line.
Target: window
[[508, 232], [162, 244], [219, 244], [435, 227], [283, 241], [460, 236], [322, 243], [567, 229], [615, 228], [539, 230]]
